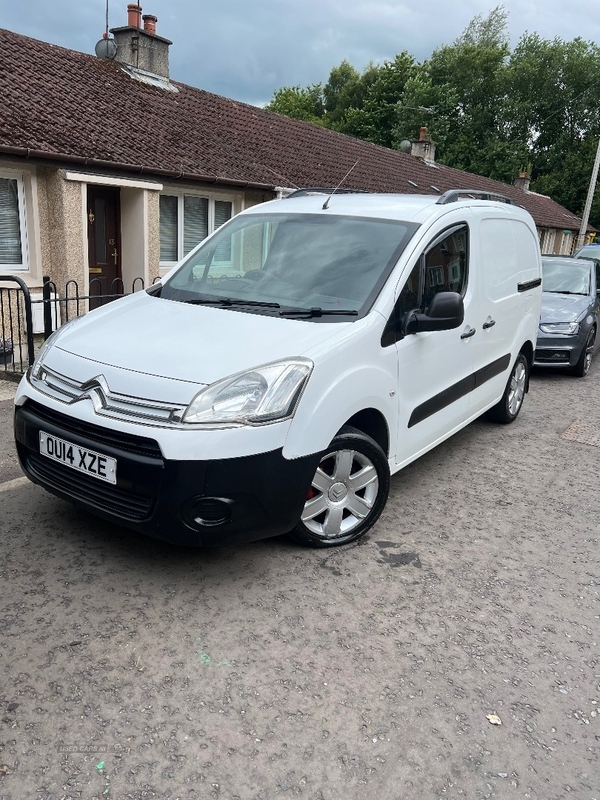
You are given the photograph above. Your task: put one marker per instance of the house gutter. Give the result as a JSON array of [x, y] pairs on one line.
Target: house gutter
[[42, 155]]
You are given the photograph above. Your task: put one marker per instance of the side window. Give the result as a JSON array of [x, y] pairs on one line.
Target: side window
[[443, 267], [597, 276], [12, 233]]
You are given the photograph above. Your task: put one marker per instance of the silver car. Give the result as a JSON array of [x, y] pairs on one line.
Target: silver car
[[570, 312]]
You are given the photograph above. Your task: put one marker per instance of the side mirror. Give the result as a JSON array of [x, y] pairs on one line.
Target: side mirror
[[445, 312]]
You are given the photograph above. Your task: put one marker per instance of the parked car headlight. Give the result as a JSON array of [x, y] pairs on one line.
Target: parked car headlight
[[47, 346], [560, 327], [265, 394]]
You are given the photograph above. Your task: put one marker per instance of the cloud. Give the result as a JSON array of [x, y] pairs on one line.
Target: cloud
[[247, 50]]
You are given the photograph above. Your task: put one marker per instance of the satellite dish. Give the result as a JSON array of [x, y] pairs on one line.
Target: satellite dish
[[106, 48], [405, 146]]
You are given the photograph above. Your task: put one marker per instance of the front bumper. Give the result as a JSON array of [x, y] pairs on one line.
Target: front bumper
[[558, 351], [207, 503]]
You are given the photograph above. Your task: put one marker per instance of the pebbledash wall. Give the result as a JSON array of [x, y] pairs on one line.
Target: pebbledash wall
[[54, 230]]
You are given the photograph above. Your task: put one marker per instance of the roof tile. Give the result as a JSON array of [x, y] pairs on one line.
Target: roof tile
[[74, 105]]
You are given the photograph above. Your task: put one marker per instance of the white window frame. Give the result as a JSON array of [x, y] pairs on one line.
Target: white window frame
[[10, 174], [548, 241], [436, 276], [566, 243], [180, 194]]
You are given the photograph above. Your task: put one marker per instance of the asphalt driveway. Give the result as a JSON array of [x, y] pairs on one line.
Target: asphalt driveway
[[133, 669]]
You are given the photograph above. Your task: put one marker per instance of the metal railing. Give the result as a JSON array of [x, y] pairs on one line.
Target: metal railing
[[16, 327], [26, 321]]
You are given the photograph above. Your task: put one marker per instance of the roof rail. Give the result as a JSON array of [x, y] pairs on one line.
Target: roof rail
[[323, 190], [454, 195]]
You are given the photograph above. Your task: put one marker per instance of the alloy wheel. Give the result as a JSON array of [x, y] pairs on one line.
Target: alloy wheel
[[342, 494], [589, 352], [516, 392]]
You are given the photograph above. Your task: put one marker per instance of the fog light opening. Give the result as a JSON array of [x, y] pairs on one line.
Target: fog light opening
[[209, 511]]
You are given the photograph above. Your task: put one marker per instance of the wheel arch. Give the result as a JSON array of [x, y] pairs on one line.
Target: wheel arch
[[372, 422], [363, 398], [528, 351]]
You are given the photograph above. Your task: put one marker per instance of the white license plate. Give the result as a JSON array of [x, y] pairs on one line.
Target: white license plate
[[71, 455]]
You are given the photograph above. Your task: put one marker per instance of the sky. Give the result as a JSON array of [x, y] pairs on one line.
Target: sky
[[246, 49]]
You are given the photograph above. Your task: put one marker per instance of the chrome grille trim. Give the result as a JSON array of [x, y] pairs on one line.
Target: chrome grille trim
[[106, 403]]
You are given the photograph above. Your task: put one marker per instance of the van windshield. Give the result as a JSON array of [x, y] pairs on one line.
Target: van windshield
[[290, 263]]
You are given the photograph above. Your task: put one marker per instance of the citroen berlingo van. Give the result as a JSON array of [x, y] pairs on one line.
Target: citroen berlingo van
[[276, 378]]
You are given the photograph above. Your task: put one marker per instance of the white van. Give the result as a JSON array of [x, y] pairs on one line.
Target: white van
[[275, 379]]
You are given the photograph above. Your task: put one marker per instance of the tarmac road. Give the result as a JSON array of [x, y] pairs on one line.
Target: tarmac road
[[134, 669]]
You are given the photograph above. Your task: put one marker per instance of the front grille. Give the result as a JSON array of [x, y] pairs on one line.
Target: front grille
[[552, 356], [139, 445], [106, 403], [82, 488]]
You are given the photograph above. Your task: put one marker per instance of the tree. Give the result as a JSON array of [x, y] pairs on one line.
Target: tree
[[490, 111], [554, 90], [385, 93], [464, 85], [300, 103], [490, 31], [342, 91]]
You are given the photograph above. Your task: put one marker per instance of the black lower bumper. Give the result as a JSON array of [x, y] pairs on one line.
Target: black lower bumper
[[558, 351], [199, 503]]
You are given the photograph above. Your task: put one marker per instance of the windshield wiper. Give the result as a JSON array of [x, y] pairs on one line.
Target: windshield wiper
[[230, 301], [317, 312]]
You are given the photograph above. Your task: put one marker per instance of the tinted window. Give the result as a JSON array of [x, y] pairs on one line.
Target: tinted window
[[442, 268], [295, 260]]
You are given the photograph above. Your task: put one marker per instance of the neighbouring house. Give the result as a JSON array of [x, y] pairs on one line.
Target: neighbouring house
[[110, 171]]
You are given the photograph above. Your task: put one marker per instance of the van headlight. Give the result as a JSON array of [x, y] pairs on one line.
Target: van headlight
[[264, 394]]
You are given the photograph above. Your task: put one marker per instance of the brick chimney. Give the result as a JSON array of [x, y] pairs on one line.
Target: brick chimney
[[423, 147], [140, 47], [523, 181], [134, 15], [150, 23]]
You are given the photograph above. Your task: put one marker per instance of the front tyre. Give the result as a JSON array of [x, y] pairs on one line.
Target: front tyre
[[507, 410], [348, 492], [584, 362]]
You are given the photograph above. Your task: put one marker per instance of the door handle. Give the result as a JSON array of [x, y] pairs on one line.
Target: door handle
[[115, 255], [489, 324], [468, 334]]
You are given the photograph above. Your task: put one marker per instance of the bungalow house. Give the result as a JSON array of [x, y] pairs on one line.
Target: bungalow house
[[110, 170]]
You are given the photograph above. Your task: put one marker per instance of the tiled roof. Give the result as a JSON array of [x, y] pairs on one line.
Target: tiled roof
[[78, 108]]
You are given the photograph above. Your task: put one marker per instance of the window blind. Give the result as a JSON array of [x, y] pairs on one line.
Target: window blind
[[195, 221], [168, 228], [10, 225], [223, 210]]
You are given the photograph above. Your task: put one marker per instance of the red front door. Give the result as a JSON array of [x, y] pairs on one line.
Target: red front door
[[104, 245]]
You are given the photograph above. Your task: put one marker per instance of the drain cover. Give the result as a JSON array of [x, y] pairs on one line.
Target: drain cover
[[583, 432]]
